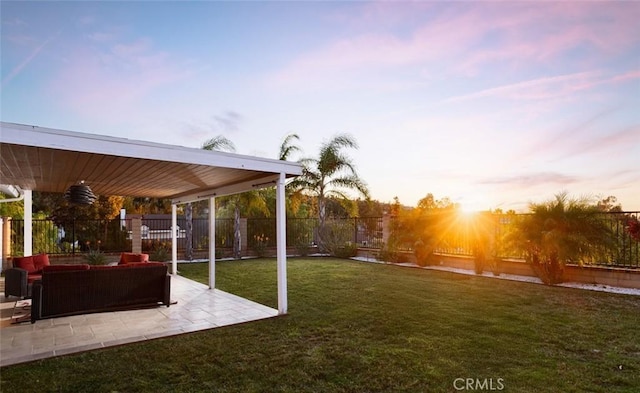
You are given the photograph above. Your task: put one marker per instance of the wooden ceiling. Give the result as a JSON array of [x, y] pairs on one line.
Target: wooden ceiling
[[47, 167]]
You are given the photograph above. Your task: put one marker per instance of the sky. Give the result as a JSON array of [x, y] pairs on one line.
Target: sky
[[490, 104]]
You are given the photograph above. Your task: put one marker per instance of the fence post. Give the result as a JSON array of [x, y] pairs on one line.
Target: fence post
[[5, 243], [136, 235]]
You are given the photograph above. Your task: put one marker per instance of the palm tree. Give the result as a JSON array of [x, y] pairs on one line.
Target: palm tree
[[331, 174], [218, 143], [247, 201], [561, 231], [287, 147], [250, 200]]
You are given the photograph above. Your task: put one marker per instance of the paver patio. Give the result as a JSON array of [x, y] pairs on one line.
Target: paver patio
[[197, 308]]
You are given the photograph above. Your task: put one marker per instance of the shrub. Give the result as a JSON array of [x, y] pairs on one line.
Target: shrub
[[159, 253], [391, 253], [495, 264], [303, 248], [335, 235], [561, 231], [349, 250], [423, 253], [95, 257], [260, 245], [479, 259]]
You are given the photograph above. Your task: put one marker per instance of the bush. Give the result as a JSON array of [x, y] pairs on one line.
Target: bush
[[260, 243], [479, 260], [390, 253], [561, 231], [349, 250], [335, 235], [495, 264], [303, 249], [423, 253], [550, 270], [160, 253], [95, 257]]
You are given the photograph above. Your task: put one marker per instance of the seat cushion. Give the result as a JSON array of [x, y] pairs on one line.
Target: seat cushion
[[107, 267], [145, 264], [33, 277], [40, 261], [25, 263]]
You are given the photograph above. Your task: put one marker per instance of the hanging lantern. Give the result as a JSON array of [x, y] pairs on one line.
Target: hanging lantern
[[80, 194]]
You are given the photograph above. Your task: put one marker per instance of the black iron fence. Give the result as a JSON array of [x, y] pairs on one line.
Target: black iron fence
[[79, 236], [70, 237]]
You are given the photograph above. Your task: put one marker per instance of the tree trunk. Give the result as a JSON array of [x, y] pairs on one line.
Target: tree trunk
[[188, 212], [236, 232], [321, 224]]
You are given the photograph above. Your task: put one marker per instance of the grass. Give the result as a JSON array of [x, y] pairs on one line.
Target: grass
[[358, 327]]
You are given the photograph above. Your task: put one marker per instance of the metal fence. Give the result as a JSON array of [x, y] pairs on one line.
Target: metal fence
[[78, 236], [70, 237], [624, 253]]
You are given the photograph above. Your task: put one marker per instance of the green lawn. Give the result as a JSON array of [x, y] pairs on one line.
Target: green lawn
[[359, 327]]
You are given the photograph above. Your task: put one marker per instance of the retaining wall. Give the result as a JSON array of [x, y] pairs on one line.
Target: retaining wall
[[626, 278]]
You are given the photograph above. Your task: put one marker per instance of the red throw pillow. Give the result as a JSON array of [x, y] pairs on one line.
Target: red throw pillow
[[127, 257], [40, 261], [25, 263]]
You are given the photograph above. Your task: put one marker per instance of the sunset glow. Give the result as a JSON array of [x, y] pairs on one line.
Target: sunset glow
[[492, 104]]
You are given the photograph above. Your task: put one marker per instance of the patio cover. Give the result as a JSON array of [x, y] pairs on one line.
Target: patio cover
[[44, 159]]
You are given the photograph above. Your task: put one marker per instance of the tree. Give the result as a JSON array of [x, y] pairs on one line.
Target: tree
[[423, 228], [217, 143], [561, 231], [331, 174], [11, 209], [287, 147], [236, 203], [146, 205]]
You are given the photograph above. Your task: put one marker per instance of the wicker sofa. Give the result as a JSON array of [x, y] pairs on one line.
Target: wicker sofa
[[81, 289]]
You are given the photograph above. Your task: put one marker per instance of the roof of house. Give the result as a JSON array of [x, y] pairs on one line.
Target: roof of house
[[45, 159]]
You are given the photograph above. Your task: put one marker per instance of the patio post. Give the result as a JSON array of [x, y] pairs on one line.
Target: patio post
[[28, 223], [281, 245], [212, 242], [174, 239]]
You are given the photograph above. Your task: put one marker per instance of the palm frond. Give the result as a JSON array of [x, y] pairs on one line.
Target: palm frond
[[219, 143], [287, 147]]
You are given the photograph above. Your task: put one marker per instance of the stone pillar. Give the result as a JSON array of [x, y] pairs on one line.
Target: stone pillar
[[386, 228], [243, 236], [5, 243], [136, 235]]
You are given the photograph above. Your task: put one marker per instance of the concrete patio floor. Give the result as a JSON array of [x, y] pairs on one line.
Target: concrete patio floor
[[197, 308]]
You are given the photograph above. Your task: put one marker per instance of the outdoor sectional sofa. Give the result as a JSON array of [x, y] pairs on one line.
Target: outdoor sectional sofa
[[25, 271], [81, 289]]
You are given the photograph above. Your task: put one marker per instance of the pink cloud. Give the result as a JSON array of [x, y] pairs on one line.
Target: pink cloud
[[549, 87], [110, 79], [465, 39], [536, 89]]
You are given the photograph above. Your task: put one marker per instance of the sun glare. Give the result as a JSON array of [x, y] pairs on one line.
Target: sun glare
[[466, 214]]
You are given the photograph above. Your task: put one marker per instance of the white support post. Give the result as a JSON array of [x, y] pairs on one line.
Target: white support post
[[174, 239], [212, 243], [28, 223], [281, 244]]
